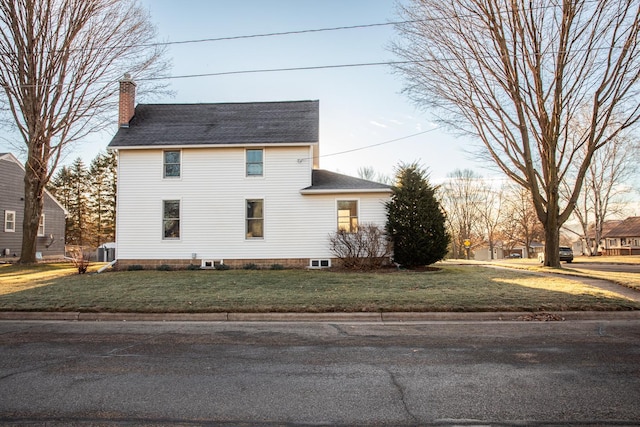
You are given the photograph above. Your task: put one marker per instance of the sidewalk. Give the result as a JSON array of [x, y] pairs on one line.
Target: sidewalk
[[321, 317]]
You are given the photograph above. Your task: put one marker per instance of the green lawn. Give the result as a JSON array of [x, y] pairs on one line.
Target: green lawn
[[455, 288]]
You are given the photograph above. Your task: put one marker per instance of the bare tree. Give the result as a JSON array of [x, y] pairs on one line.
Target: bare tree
[[461, 196], [60, 61], [370, 174], [604, 188], [516, 75], [520, 224], [490, 212]]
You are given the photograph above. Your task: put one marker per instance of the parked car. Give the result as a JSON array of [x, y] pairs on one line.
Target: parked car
[[566, 254]]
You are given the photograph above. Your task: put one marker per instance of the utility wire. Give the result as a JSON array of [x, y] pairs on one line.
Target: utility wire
[[274, 70], [281, 33], [380, 143]]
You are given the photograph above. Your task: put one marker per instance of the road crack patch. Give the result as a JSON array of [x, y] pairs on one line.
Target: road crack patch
[[400, 390]]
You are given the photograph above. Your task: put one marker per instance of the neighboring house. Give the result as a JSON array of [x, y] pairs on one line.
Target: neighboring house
[[236, 183], [483, 252], [500, 251], [50, 243], [623, 238]]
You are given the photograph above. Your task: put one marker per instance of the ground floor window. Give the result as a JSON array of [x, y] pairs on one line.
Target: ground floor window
[[171, 219], [255, 219], [348, 215], [41, 226], [10, 221]]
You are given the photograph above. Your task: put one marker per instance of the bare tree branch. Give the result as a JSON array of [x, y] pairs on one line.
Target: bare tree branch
[[517, 75], [60, 61]]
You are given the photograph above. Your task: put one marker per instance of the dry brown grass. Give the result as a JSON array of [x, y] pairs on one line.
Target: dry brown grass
[[454, 288]]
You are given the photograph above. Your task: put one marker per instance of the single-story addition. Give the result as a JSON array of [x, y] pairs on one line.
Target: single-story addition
[[231, 183], [50, 240], [623, 238]]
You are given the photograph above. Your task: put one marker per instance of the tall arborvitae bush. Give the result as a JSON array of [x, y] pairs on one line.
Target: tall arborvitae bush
[[415, 220]]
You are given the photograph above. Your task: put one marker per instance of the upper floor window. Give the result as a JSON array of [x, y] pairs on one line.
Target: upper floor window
[[10, 221], [255, 163], [171, 219], [172, 164], [348, 215], [255, 218], [41, 226]]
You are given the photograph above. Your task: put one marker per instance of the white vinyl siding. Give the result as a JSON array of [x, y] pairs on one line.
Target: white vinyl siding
[[213, 195]]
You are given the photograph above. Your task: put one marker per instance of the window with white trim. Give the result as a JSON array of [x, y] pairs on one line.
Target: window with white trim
[[171, 164], [171, 219], [255, 219], [10, 221], [41, 226], [348, 215], [255, 162]]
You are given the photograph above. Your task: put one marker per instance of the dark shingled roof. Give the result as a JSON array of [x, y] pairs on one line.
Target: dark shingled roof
[[323, 181], [629, 227], [211, 124]]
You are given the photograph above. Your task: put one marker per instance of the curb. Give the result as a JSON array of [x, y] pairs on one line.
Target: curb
[[315, 317]]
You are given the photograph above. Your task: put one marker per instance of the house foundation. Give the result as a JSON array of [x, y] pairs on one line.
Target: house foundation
[[236, 264]]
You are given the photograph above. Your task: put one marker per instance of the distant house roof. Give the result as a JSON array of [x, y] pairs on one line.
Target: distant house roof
[[157, 125], [607, 226], [11, 158], [323, 181], [629, 227]]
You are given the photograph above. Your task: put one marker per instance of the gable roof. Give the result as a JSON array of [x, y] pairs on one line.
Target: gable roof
[[629, 227], [156, 125], [323, 182], [13, 159]]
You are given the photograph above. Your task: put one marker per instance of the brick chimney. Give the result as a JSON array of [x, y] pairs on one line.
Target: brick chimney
[[127, 104]]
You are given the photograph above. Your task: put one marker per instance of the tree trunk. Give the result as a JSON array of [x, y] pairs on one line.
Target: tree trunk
[[33, 206], [552, 241]]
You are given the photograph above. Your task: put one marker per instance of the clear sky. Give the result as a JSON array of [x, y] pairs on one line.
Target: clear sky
[[359, 107]]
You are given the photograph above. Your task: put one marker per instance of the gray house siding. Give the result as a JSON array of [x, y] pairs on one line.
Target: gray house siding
[[12, 199]]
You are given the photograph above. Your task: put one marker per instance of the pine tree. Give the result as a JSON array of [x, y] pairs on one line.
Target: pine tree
[[415, 220], [102, 201], [79, 224], [61, 186]]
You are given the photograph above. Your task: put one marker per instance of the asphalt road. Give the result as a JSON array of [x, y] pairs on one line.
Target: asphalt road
[[276, 373]]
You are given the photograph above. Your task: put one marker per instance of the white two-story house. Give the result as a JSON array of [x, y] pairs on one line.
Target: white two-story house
[[232, 183]]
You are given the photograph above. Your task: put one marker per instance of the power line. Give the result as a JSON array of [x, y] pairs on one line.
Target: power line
[[281, 33], [274, 70], [380, 143], [319, 30]]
